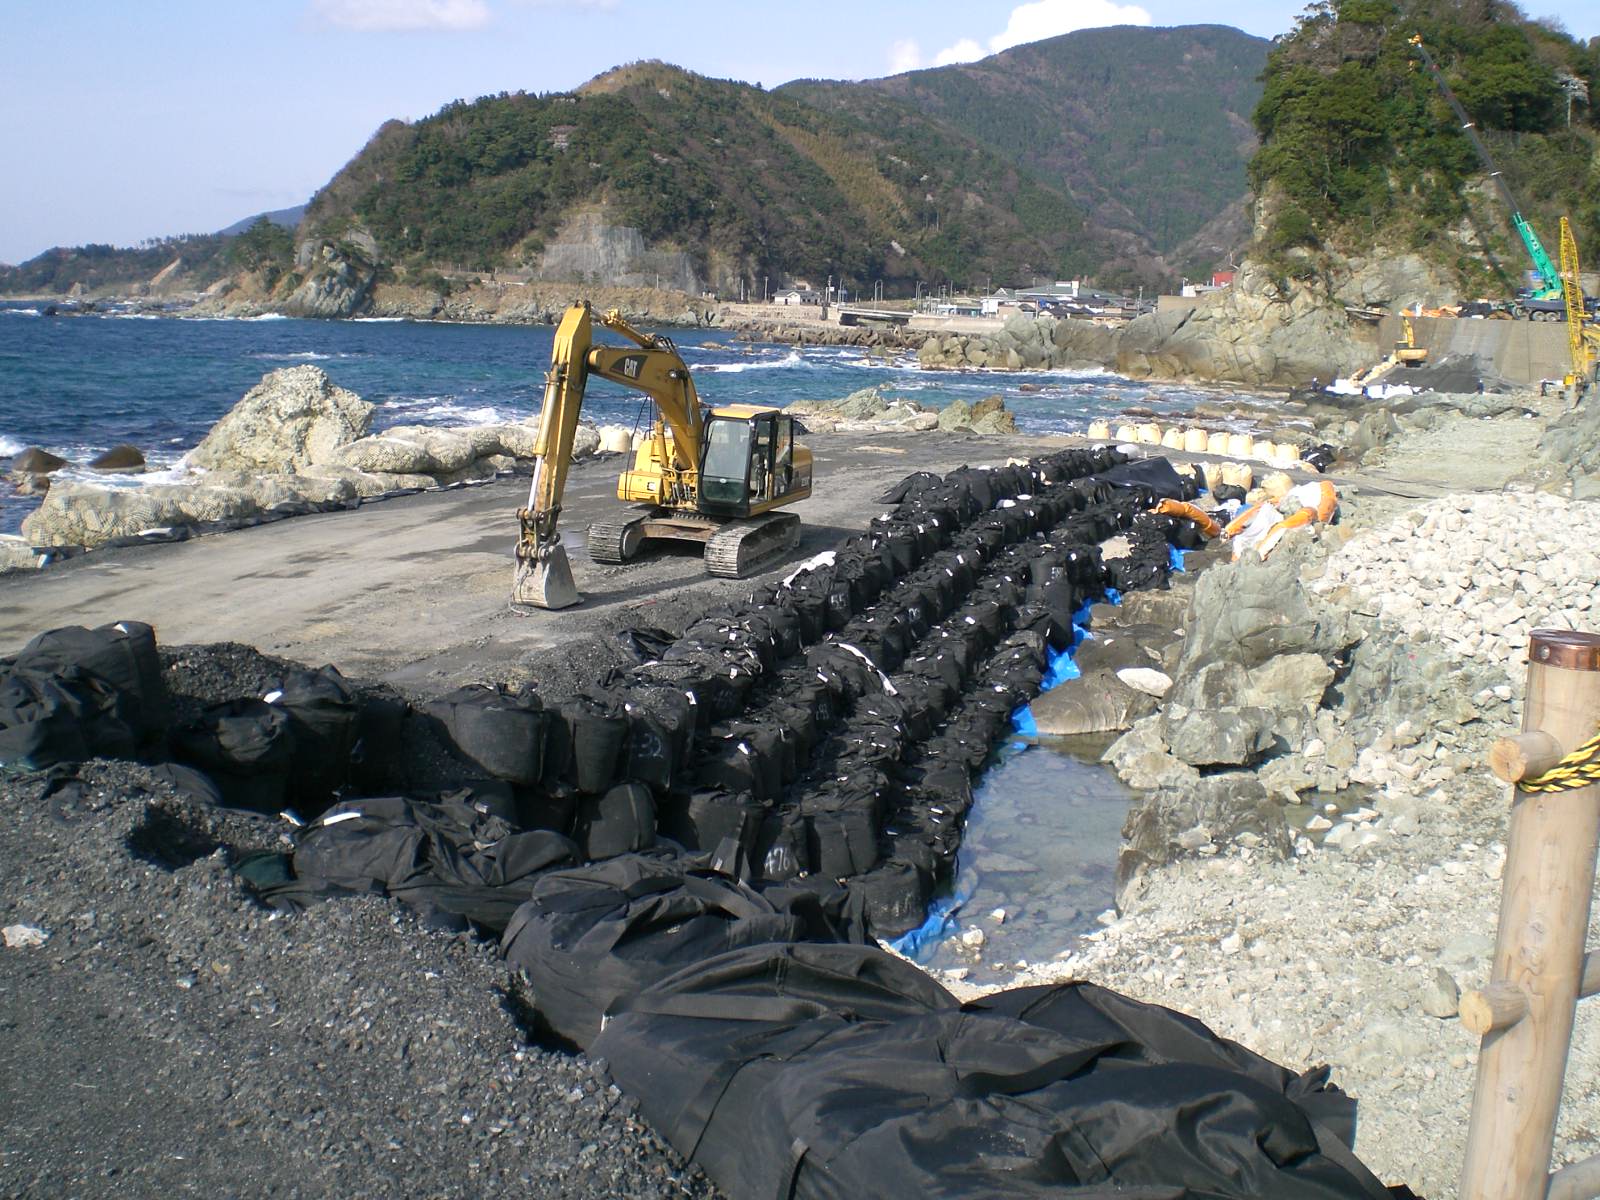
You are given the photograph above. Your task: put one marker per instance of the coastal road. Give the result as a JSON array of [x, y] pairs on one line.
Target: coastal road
[[414, 590]]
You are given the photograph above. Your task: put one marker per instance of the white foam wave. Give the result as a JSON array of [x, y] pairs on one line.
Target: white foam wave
[[20, 312], [127, 316], [268, 317], [10, 446], [445, 410], [380, 320], [788, 362], [297, 355]]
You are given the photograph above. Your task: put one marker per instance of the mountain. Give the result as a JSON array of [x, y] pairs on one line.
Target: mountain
[[741, 182], [288, 218], [1148, 130]]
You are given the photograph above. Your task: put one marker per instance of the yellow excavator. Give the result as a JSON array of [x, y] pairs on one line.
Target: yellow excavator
[[715, 476]]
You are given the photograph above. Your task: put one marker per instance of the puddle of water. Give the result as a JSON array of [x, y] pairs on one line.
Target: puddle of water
[[1041, 843]]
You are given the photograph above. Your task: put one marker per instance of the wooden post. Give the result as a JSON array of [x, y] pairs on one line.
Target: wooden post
[[1544, 919]]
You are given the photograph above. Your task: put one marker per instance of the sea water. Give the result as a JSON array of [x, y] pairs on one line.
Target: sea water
[[81, 384]]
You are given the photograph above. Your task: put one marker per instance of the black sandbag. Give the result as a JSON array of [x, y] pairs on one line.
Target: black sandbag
[[46, 720], [497, 729], [710, 816], [650, 753], [123, 657], [643, 643], [911, 485], [622, 821], [324, 715], [246, 747], [841, 834], [782, 849], [894, 895], [450, 860], [590, 936], [743, 757], [598, 732]]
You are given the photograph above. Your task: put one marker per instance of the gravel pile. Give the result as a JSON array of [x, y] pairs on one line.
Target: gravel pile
[[175, 1036], [1478, 572]]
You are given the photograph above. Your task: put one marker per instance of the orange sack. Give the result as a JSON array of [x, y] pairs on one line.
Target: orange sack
[[1245, 516], [1182, 508]]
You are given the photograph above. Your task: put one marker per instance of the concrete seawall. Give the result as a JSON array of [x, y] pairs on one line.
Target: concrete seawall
[[1519, 351]]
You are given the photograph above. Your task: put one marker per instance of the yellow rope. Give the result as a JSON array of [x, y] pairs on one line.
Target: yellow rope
[[1579, 769]]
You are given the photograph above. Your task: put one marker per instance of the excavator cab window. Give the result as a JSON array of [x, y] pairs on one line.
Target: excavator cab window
[[725, 470]]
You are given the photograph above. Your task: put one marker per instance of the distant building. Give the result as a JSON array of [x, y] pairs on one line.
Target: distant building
[[797, 296], [1221, 279]]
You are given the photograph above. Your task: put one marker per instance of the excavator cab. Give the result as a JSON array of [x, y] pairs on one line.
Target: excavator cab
[[749, 465]]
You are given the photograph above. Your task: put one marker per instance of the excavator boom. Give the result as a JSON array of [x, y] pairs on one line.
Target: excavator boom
[[544, 574]]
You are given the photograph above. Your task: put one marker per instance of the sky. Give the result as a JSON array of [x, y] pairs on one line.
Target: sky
[[131, 119]]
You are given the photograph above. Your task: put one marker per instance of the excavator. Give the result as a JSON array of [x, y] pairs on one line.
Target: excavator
[[717, 476]]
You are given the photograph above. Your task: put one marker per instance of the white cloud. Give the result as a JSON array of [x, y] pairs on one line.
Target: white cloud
[[1030, 22], [963, 51], [1051, 18], [904, 56], [384, 15]]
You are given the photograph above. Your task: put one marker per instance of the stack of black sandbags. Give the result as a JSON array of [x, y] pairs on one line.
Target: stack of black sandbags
[[72, 694]]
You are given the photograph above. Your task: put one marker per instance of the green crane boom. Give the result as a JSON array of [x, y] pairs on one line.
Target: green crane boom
[[1550, 285]]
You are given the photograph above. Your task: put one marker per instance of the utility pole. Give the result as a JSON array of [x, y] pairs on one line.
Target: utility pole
[[764, 289]]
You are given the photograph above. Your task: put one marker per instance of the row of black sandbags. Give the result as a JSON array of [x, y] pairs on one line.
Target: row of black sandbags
[[565, 761]]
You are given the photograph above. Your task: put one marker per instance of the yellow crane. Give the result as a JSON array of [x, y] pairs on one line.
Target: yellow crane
[[716, 476], [1583, 339]]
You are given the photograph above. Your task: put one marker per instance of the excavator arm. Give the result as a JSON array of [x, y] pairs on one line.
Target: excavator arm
[[652, 366]]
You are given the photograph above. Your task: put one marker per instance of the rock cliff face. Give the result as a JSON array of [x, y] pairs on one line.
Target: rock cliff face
[[337, 280], [1252, 333], [589, 249]]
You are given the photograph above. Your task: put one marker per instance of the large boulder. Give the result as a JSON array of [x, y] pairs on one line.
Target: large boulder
[[119, 458], [77, 514], [34, 461], [412, 449], [16, 554], [957, 415], [1211, 737], [1095, 702], [1230, 808], [294, 418], [1250, 611]]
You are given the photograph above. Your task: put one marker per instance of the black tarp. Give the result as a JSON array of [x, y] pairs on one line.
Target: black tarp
[[839, 1072]]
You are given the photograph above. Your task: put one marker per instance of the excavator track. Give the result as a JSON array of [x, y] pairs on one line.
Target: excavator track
[[740, 547], [616, 541]]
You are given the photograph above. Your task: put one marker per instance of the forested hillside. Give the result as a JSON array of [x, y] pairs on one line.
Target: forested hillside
[[727, 172], [1360, 149], [1147, 129]]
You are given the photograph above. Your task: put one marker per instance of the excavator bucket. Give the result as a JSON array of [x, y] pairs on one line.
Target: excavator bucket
[[545, 580]]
